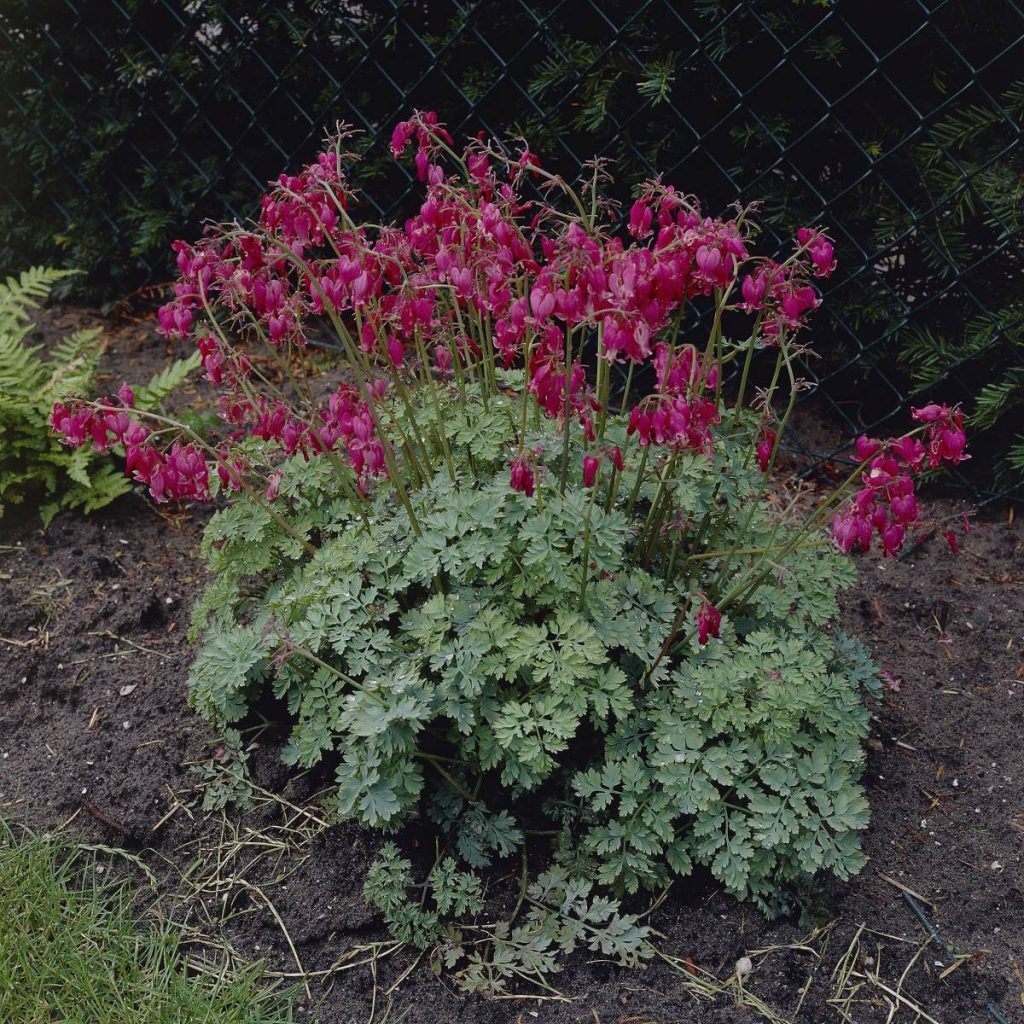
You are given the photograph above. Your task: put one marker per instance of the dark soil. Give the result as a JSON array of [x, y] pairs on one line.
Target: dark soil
[[95, 733]]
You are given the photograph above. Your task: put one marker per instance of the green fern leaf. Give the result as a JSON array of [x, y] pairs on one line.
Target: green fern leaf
[[166, 382]]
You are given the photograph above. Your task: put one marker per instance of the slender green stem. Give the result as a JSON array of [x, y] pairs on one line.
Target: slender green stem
[[755, 502], [714, 341], [629, 384], [404, 397], [567, 425], [431, 385], [435, 763], [603, 384], [361, 687], [524, 398], [656, 513], [745, 374], [672, 633], [639, 480], [670, 571], [586, 541]]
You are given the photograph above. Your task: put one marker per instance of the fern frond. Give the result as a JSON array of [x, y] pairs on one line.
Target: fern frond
[[20, 294], [21, 371], [73, 362], [166, 382]]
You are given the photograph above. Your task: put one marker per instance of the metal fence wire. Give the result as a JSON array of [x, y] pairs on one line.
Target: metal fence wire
[[123, 123]]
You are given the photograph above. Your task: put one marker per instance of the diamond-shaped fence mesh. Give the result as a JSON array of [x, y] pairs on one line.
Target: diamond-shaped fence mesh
[[124, 123]]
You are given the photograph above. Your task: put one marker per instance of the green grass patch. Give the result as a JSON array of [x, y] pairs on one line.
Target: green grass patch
[[72, 949]]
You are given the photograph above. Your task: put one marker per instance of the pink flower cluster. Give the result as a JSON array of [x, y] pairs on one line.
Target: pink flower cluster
[[678, 415], [946, 438], [180, 474], [346, 424], [428, 132], [475, 251], [676, 422], [476, 261], [887, 504]]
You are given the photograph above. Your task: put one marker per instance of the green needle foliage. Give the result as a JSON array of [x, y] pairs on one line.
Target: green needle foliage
[[974, 177], [72, 950]]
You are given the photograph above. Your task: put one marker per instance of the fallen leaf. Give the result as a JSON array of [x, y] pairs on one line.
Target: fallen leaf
[[890, 680]]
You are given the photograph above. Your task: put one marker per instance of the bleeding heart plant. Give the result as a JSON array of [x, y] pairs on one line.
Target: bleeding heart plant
[[483, 587]]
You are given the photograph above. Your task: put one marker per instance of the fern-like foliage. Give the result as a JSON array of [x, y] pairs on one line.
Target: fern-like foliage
[[463, 674], [33, 465], [451, 892], [165, 382]]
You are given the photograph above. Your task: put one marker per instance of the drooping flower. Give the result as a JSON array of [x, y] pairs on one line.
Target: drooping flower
[[910, 451], [396, 351], [521, 476], [640, 218], [765, 447], [820, 249], [866, 447], [851, 530], [676, 422], [591, 464], [796, 301], [892, 538], [709, 622], [947, 439], [72, 424], [175, 319], [230, 471], [753, 289]]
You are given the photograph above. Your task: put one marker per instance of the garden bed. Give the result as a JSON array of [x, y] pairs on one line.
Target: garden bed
[[95, 734]]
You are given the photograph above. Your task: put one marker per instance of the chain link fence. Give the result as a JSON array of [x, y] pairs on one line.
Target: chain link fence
[[123, 123]]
